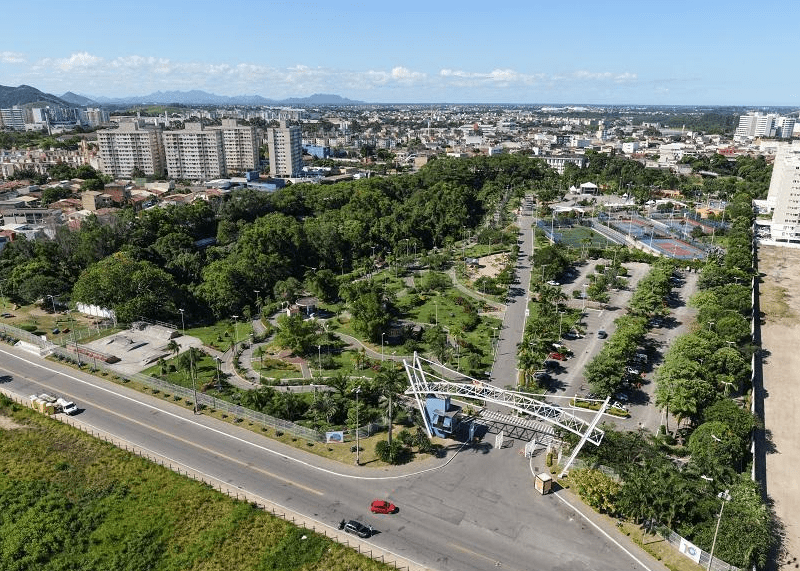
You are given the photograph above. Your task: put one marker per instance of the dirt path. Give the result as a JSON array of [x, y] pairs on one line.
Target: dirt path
[[780, 303]]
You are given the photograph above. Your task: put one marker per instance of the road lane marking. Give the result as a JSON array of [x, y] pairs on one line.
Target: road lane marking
[[231, 436], [597, 527], [494, 562], [209, 450]]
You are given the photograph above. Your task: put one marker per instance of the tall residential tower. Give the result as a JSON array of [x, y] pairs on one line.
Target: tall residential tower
[[285, 151]]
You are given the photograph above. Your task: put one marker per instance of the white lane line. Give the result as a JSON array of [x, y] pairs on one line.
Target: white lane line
[[597, 527], [225, 434]]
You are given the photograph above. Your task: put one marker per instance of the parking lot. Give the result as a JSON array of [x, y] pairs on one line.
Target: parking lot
[[567, 375]]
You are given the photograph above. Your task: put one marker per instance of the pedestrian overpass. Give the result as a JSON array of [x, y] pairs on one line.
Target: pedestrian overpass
[[424, 382]]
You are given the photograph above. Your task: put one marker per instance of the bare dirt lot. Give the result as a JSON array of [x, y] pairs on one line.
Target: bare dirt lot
[[8, 424], [490, 266], [780, 334]]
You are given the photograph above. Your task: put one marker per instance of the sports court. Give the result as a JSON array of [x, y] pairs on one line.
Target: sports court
[[674, 248], [580, 236]]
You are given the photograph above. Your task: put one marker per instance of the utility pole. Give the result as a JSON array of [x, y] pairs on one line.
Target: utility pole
[[191, 363], [358, 449]]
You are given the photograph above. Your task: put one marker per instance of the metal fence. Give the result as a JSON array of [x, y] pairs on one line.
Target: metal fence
[[716, 564], [239, 413]]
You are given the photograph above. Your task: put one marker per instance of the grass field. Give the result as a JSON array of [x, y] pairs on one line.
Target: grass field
[[577, 235], [72, 502]]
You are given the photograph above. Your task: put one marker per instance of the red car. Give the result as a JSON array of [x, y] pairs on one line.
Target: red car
[[557, 356], [382, 507]]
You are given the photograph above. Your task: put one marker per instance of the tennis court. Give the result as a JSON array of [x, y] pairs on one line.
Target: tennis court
[[636, 228], [686, 225], [676, 248]]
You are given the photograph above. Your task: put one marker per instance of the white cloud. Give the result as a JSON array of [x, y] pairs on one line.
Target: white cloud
[[12, 57], [510, 77], [137, 75], [75, 62]]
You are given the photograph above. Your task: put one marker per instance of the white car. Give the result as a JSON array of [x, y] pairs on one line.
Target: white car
[[67, 407], [553, 283]]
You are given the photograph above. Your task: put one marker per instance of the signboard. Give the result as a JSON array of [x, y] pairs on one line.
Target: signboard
[[336, 437], [690, 550]]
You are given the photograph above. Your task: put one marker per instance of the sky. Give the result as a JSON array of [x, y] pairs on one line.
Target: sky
[[649, 52]]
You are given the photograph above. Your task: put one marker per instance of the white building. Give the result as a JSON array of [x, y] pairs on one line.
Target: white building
[[240, 145], [764, 125], [784, 193], [194, 153], [129, 147], [285, 146]]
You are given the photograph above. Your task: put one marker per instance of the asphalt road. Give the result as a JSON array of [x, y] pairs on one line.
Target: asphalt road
[[473, 510]]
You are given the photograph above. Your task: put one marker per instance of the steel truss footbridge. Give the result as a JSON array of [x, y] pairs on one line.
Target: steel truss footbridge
[[425, 382]]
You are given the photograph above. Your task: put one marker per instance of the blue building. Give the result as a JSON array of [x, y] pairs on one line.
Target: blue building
[[317, 151]]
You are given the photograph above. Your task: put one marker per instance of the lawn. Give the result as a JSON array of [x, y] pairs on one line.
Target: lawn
[[221, 335]]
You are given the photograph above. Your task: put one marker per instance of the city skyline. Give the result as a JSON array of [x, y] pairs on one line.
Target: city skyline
[[681, 53]]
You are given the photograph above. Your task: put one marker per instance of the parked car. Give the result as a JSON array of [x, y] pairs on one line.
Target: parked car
[[602, 334], [6, 315], [553, 283], [632, 370], [382, 507], [556, 356], [356, 528]]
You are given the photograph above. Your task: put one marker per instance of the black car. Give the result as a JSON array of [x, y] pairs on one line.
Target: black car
[[602, 334], [357, 528]]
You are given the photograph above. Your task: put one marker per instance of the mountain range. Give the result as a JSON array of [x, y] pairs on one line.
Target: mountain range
[[24, 94]]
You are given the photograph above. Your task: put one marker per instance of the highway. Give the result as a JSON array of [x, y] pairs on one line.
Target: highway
[[475, 509]]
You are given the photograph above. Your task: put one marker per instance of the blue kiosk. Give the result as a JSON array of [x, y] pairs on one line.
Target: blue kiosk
[[442, 416]]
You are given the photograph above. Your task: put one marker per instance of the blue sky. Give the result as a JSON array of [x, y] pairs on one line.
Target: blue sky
[[602, 51]]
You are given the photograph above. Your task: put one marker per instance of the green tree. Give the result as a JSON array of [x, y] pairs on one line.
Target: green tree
[[296, 334], [132, 289]]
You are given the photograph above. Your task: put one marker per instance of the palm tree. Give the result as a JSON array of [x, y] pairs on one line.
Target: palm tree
[[173, 347], [259, 352], [390, 382]]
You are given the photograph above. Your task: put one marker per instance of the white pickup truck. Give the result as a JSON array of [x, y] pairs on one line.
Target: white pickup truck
[[67, 406]]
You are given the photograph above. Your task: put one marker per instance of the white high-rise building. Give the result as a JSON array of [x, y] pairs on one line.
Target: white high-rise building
[[194, 153], [285, 151], [241, 146], [129, 147], [764, 125], [784, 193]]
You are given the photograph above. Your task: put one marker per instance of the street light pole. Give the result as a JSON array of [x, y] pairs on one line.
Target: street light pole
[[358, 459], [725, 497], [382, 334], [235, 333], [191, 363]]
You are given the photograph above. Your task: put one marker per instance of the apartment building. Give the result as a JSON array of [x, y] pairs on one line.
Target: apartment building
[[285, 146], [131, 146], [194, 153], [240, 145], [13, 118], [764, 125], [784, 194]]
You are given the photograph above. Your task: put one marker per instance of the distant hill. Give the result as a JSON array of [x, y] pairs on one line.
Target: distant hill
[[10, 96], [198, 97], [76, 99], [24, 94]]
